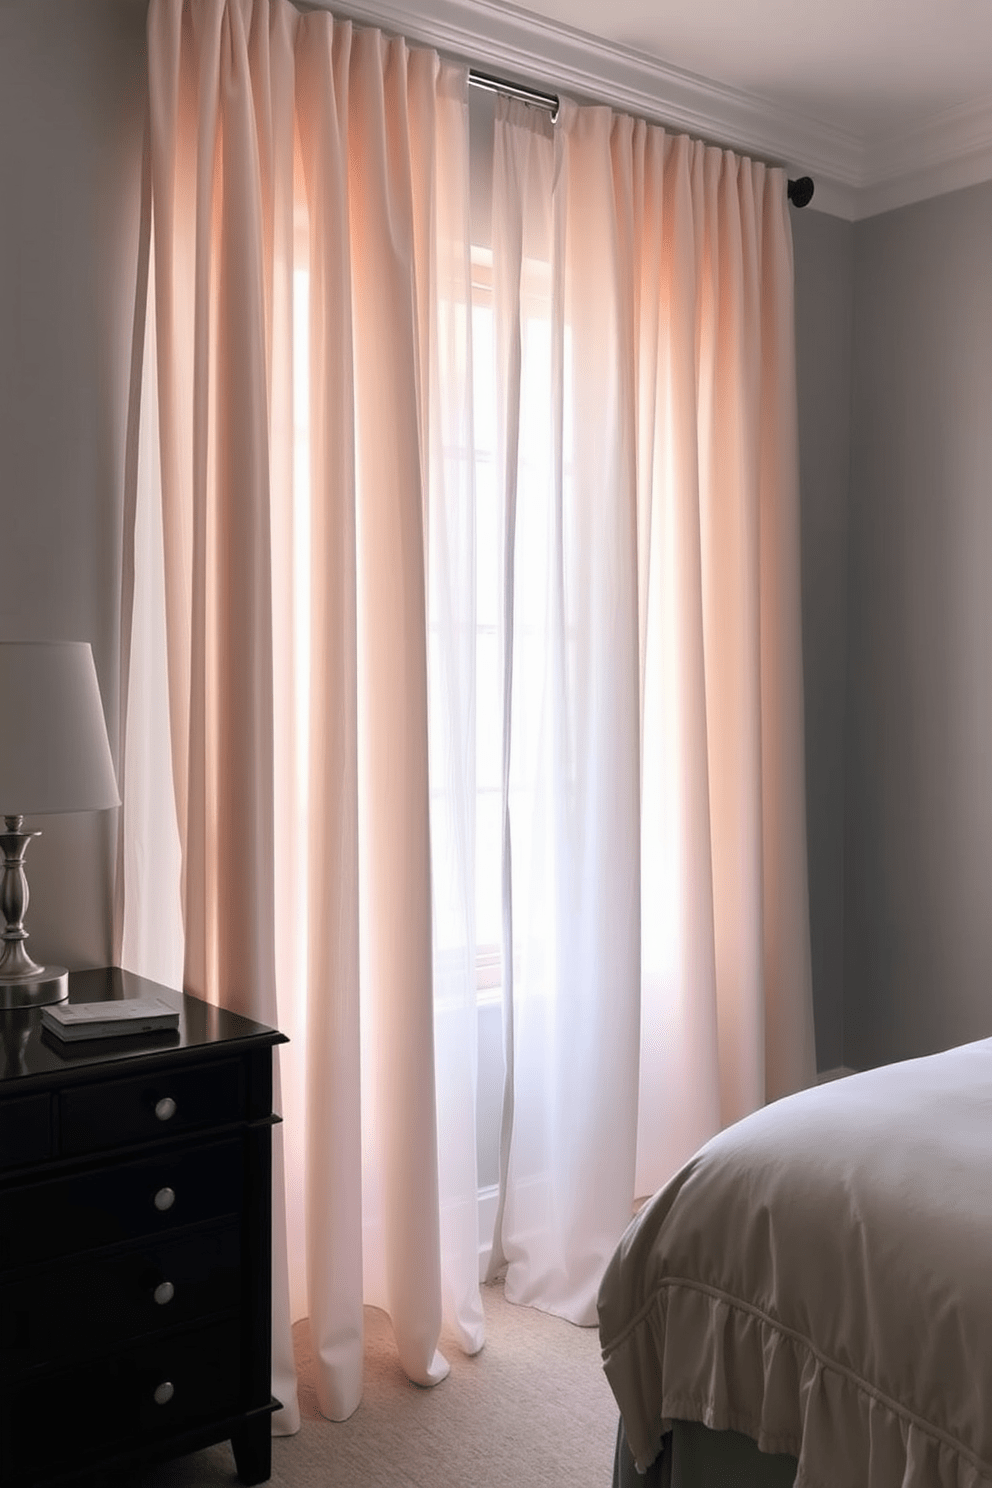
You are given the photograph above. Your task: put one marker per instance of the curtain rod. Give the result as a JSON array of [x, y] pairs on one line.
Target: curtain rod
[[533, 96], [800, 191]]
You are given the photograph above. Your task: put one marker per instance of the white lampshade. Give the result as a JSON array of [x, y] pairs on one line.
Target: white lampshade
[[54, 751]]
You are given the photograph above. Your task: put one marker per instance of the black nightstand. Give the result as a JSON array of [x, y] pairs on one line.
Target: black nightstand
[[135, 1241]]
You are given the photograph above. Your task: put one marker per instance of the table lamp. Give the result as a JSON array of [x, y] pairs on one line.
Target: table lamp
[[54, 757]]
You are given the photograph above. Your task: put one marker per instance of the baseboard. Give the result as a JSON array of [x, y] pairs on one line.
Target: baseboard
[[488, 1204]]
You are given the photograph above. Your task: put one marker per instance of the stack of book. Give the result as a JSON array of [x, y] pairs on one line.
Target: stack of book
[[72, 1021]]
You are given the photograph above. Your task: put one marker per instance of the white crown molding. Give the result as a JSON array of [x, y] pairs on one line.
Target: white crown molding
[[854, 178], [838, 198], [941, 153]]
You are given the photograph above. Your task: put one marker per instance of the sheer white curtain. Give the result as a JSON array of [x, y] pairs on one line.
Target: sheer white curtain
[[305, 527], [656, 944]]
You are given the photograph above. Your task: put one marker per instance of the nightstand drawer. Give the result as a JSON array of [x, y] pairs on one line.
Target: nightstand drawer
[[135, 1243], [81, 1308], [149, 1392], [25, 1131], [120, 1202], [160, 1103]]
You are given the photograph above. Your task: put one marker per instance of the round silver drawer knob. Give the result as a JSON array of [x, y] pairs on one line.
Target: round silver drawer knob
[[165, 1109], [164, 1293], [164, 1392], [164, 1199]]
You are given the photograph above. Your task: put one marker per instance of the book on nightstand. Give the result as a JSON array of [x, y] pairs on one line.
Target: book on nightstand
[[89, 1020]]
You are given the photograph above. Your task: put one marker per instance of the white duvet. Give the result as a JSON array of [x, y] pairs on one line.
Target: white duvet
[[819, 1276]]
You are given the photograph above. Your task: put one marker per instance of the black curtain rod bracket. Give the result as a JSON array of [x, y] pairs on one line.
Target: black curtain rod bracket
[[801, 191]]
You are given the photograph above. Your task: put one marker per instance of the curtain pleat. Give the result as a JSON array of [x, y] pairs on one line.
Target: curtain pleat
[[402, 1263]]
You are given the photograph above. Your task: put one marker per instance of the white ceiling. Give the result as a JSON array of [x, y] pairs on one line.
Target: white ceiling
[[881, 101]]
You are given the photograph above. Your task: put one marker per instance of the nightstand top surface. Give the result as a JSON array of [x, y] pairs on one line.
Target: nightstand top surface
[[26, 1049]]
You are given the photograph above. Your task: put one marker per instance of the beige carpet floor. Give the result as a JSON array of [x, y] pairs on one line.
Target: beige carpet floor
[[532, 1410]]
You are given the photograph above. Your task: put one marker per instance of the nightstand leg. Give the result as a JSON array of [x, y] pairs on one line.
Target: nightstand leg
[[252, 1444]]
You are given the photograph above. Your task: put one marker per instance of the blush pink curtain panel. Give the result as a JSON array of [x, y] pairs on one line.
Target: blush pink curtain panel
[[310, 247], [300, 773], [656, 944]]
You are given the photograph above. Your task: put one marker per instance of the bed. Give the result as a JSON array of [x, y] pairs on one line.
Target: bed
[[809, 1300]]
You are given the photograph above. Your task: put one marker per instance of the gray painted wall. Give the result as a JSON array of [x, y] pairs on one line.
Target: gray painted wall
[[824, 259], [71, 112], [918, 862]]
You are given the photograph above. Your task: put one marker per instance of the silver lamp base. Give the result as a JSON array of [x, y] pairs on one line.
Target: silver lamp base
[[50, 985], [23, 983]]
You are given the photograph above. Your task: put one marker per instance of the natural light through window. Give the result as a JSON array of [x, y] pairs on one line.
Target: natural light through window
[[532, 577]]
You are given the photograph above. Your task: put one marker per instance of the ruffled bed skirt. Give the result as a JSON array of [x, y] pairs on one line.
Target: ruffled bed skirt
[[695, 1355]]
